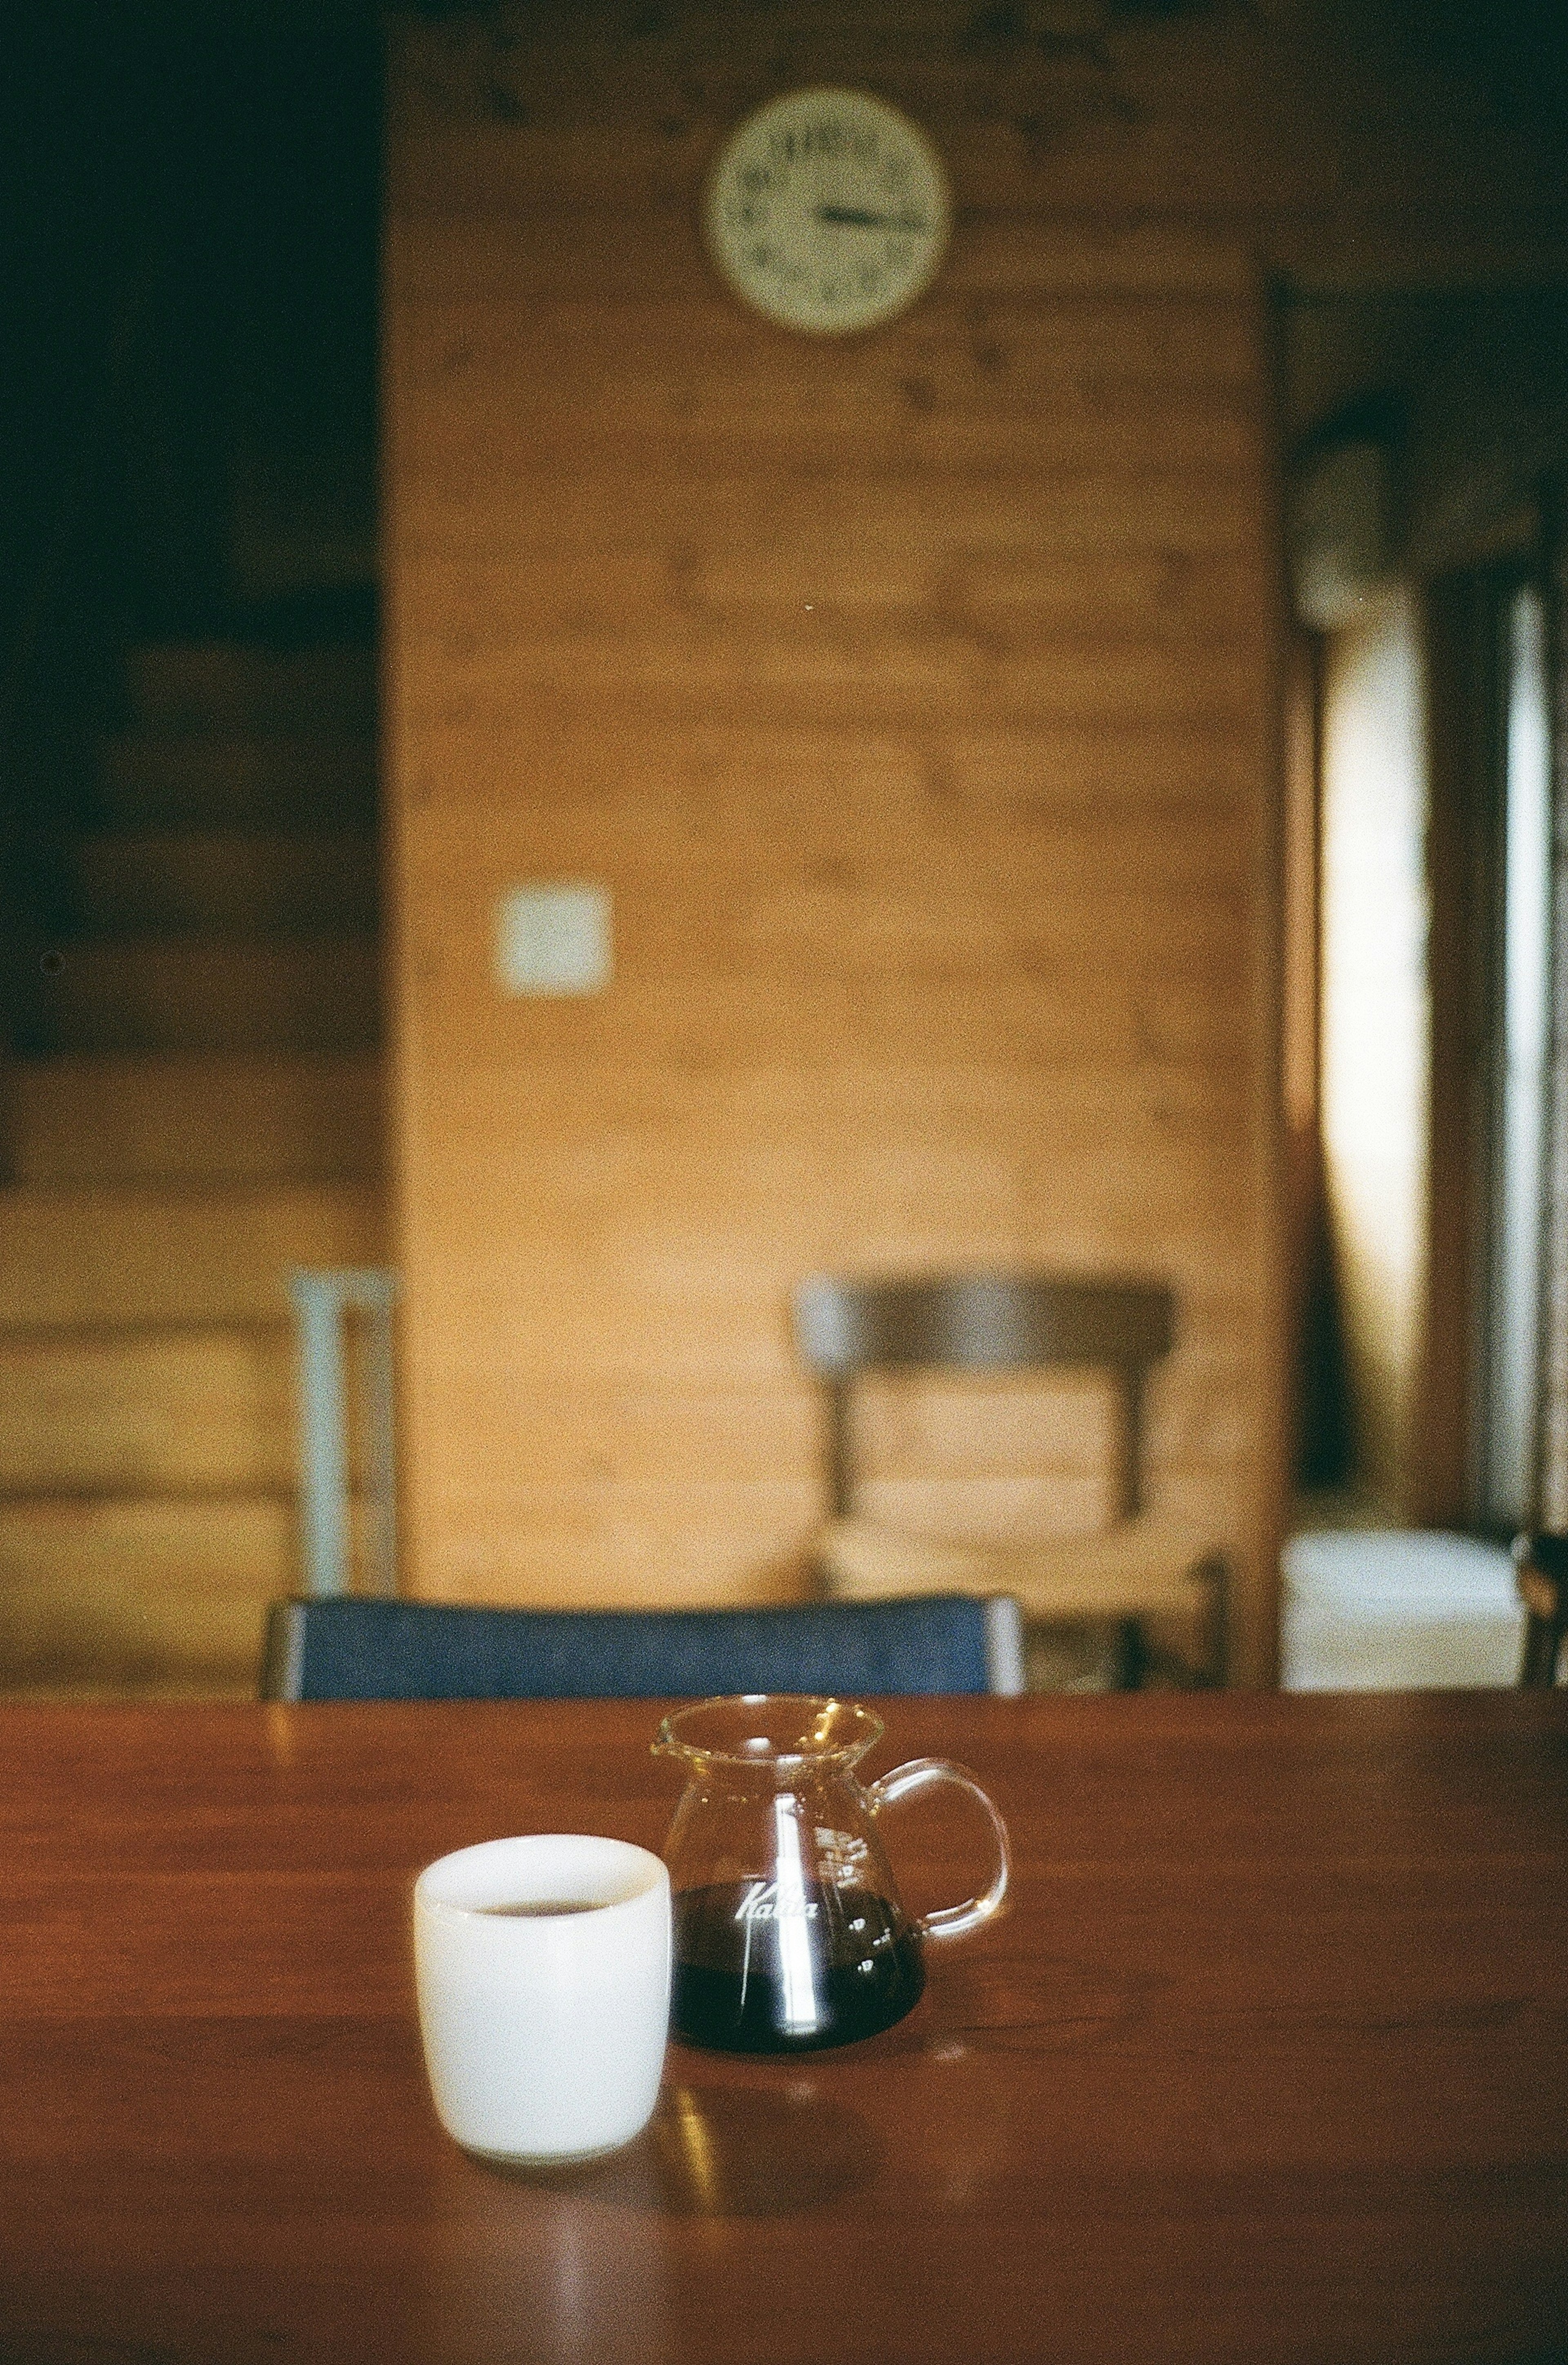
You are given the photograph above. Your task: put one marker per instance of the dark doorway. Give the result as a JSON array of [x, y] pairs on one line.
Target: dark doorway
[[189, 1062]]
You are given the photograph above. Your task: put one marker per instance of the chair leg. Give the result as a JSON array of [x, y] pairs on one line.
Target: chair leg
[[1214, 1575], [1540, 1574], [1543, 1640], [1132, 1655]]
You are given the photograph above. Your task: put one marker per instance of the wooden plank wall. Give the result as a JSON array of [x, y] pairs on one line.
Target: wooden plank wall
[[916, 698]]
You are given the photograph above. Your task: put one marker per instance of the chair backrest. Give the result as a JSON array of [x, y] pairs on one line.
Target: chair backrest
[[981, 1322], [351, 1647], [1541, 1572]]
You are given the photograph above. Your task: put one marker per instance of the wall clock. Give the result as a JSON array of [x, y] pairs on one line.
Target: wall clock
[[828, 210]]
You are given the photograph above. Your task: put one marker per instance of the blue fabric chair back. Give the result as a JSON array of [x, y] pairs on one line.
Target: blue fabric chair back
[[352, 1648]]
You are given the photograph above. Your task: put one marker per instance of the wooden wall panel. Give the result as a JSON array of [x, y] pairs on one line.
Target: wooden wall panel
[[914, 696], [1320, 120]]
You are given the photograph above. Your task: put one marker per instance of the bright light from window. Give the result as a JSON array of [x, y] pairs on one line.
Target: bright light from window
[[1377, 1032], [1514, 1296]]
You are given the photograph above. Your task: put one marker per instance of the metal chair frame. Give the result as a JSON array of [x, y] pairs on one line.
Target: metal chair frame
[[322, 1299]]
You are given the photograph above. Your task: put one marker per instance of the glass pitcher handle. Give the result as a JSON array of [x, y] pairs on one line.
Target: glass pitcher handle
[[949, 1920]]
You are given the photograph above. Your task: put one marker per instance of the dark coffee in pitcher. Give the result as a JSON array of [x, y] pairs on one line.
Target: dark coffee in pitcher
[[758, 1972], [789, 1933]]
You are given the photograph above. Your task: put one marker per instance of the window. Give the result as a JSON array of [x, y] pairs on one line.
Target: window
[[1512, 1293]]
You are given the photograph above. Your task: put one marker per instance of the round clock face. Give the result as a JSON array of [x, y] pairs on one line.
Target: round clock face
[[828, 210]]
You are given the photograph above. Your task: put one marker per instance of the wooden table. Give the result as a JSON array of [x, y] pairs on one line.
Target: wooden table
[[1270, 2061]]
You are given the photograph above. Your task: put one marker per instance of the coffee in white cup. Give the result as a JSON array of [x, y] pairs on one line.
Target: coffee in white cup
[[542, 1967]]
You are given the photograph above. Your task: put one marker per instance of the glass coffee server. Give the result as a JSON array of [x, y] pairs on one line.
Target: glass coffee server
[[789, 1932]]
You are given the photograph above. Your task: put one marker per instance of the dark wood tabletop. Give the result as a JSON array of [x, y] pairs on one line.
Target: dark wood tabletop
[[1269, 2058]]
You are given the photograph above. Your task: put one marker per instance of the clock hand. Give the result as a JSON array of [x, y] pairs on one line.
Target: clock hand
[[856, 218]]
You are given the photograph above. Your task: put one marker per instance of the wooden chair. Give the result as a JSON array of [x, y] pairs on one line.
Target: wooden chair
[[1141, 1568], [1541, 1572], [347, 1646]]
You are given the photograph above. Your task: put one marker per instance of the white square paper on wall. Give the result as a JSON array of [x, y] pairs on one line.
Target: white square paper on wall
[[553, 937]]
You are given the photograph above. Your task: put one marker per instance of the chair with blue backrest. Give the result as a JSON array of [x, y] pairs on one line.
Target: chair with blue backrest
[[350, 1647]]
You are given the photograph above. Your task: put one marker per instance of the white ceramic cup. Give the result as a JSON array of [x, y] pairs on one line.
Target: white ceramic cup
[[544, 2030]]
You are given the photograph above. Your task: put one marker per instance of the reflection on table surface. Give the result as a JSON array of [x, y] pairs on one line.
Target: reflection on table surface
[[1265, 2060]]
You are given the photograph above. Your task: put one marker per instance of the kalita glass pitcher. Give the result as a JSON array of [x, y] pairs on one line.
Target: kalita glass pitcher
[[789, 1934]]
